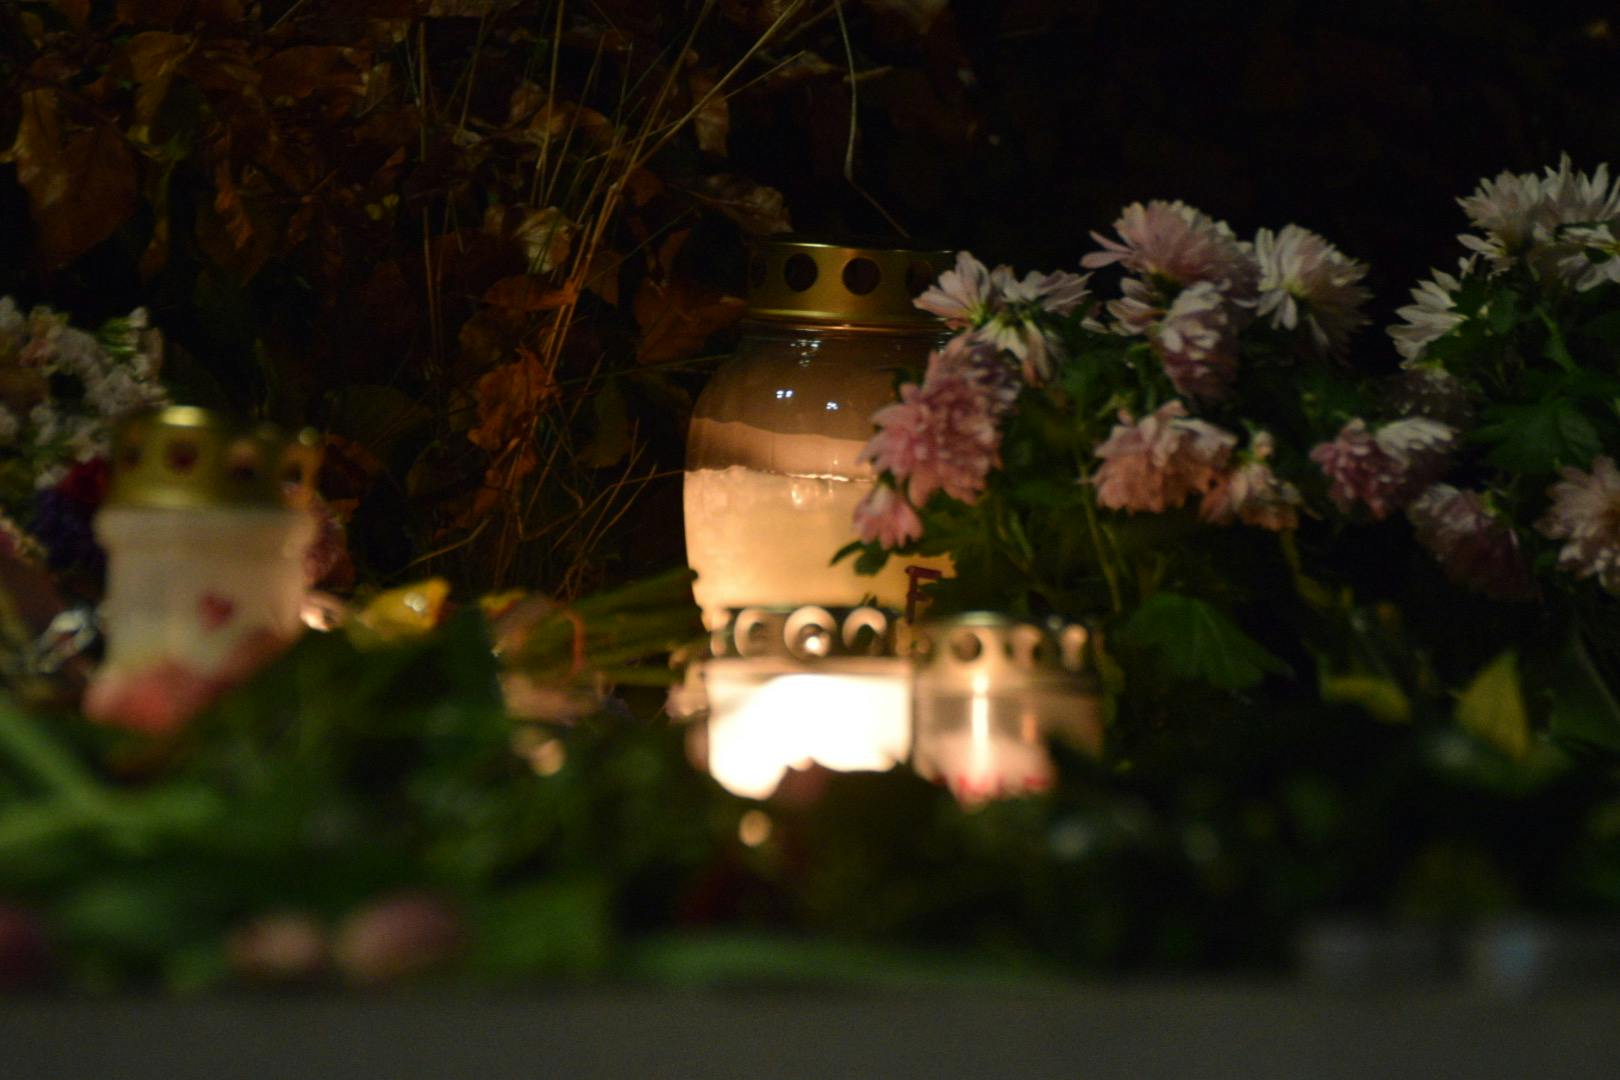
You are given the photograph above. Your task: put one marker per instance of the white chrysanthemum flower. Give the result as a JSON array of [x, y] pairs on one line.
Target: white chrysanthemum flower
[[1574, 198], [1588, 256], [1432, 316], [43, 419], [1585, 511], [1543, 219], [1508, 210], [10, 426], [1306, 281]]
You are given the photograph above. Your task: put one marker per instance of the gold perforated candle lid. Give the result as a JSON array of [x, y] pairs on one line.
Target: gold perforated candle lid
[[184, 457], [799, 281]]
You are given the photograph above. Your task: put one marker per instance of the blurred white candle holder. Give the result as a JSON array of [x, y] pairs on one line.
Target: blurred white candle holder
[[787, 688], [990, 692], [205, 528]]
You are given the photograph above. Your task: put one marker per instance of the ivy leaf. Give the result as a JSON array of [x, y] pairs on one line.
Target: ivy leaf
[[1540, 438], [1193, 639], [1492, 707]]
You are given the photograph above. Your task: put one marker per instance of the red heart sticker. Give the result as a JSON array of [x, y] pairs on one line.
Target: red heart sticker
[[214, 610]]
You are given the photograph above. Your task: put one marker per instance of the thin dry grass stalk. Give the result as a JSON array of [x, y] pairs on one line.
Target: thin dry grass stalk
[[586, 187]]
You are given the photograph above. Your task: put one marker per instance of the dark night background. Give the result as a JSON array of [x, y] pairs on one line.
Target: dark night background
[[1013, 129], [1361, 121]]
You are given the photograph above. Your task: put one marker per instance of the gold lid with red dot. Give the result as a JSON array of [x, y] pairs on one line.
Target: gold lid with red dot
[[184, 457]]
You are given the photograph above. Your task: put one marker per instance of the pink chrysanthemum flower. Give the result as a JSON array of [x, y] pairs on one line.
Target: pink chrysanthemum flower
[[1022, 322], [1432, 315], [1252, 493], [1197, 343], [1423, 389], [1387, 468], [1057, 293], [1138, 309], [886, 517], [1306, 281], [1475, 548], [1156, 463], [1176, 243], [963, 297], [944, 435], [1585, 511]]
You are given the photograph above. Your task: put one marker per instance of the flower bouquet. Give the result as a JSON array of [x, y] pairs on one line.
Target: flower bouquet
[[1260, 505]]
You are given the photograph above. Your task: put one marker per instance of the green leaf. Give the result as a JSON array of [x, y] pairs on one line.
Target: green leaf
[[871, 560], [1540, 438], [846, 551], [1584, 709], [1492, 707], [1193, 639], [1380, 697]]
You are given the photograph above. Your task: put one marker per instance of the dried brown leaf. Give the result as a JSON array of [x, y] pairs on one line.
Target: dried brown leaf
[[75, 11], [525, 294], [81, 185], [546, 235], [919, 13], [533, 118], [296, 73], [602, 275], [759, 210], [800, 66], [154, 57], [169, 12], [712, 121], [509, 397], [677, 317], [757, 16]]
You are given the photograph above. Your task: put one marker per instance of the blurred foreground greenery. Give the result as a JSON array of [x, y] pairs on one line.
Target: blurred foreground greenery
[[360, 775]]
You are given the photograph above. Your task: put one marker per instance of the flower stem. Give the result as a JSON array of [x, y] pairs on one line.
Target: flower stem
[[1103, 560]]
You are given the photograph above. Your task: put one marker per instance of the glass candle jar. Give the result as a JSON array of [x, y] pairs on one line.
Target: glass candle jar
[[773, 469], [205, 530], [990, 692]]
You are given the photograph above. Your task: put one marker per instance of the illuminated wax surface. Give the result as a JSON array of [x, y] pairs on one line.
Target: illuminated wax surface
[[857, 717], [766, 535]]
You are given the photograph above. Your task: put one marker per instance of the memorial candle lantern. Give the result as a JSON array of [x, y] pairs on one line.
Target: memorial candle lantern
[[990, 692], [773, 469], [205, 529], [773, 474]]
